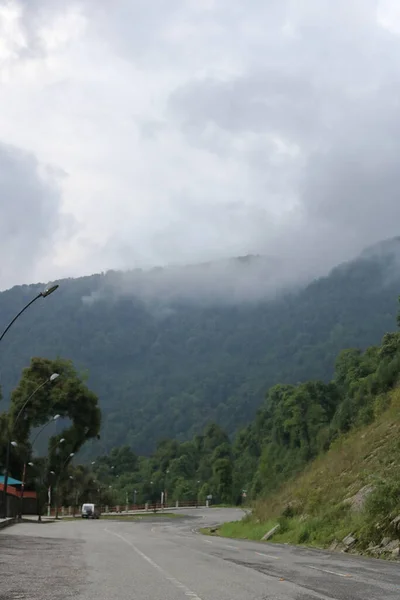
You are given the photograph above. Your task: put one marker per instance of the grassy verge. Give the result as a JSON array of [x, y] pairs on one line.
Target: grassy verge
[[328, 500]]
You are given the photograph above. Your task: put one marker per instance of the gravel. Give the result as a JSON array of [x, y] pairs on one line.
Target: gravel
[[40, 568]]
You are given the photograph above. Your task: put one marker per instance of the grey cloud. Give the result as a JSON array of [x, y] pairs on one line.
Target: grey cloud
[[336, 99], [272, 101], [34, 15], [135, 28], [329, 90], [30, 202]]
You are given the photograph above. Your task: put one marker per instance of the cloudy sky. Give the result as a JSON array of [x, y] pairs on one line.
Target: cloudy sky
[[138, 133]]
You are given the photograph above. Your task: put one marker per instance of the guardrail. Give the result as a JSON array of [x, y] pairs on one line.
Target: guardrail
[[131, 508]]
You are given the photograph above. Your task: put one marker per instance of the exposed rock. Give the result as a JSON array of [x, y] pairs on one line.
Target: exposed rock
[[385, 548], [270, 533], [391, 546], [303, 518], [357, 501], [334, 546], [349, 541], [396, 523], [375, 550], [337, 546]]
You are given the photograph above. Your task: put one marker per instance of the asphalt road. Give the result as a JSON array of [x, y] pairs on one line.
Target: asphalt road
[[160, 559]]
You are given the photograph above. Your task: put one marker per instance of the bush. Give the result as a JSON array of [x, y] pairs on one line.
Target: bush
[[384, 501], [284, 524], [304, 535]]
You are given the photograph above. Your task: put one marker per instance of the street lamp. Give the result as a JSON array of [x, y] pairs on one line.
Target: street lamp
[[69, 456], [166, 488], [58, 442], [55, 445], [31, 464], [52, 378], [43, 294], [55, 418]]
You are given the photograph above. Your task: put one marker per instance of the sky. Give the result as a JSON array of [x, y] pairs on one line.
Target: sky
[[135, 134]]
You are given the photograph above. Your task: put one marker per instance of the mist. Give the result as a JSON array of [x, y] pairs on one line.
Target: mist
[[242, 280]]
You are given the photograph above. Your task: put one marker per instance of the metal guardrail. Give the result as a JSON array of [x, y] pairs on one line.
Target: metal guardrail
[[131, 508]]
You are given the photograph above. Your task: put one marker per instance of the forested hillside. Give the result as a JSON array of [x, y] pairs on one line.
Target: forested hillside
[[295, 425], [169, 351]]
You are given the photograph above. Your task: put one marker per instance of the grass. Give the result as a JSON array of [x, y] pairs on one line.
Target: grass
[[313, 508]]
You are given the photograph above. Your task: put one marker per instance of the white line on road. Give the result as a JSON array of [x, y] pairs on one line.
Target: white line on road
[[268, 555], [330, 572], [207, 541], [231, 547], [178, 584]]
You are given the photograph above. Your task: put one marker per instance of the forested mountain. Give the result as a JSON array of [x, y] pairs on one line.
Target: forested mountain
[[294, 425], [171, 350]]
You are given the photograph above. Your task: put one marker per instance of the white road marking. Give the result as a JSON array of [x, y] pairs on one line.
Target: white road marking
[[207, 541], [231, 547], [330, 572], [175, 582], [268, 555]]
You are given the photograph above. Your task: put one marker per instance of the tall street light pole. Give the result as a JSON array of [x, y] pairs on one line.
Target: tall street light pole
[[52, 378], [70, 455], [40, 295], [43, 294], [24, 469]]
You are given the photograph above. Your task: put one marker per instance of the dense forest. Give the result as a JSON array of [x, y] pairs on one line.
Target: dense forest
[[294, 425], [171, 350]]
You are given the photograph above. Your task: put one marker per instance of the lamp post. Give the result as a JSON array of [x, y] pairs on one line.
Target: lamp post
[[70, 455], [40, 295], [24, 469], [52, 378], [49, 494], [43, 294], [166, 488]]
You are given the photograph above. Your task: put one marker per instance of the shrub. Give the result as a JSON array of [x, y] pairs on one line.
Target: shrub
[[384, 501]]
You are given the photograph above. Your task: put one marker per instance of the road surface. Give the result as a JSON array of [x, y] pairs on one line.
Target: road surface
[[160, 559]]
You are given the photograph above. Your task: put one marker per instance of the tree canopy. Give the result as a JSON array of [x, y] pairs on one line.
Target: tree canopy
[[34, 403], [295, 424]]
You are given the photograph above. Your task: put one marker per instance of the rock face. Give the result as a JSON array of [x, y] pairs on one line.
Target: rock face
[[357, 501], [270, 533], [387, 548], [349, 541], [395, 524]]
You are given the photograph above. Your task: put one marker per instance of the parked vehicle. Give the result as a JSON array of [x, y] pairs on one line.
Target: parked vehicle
[[90, 511]]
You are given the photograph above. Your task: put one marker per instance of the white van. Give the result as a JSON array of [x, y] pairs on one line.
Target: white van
[[89, 511]]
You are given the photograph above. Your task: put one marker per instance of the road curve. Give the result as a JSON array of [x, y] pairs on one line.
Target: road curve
[[165, 559]]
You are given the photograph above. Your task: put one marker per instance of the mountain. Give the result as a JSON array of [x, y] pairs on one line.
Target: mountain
[[169, 350]]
